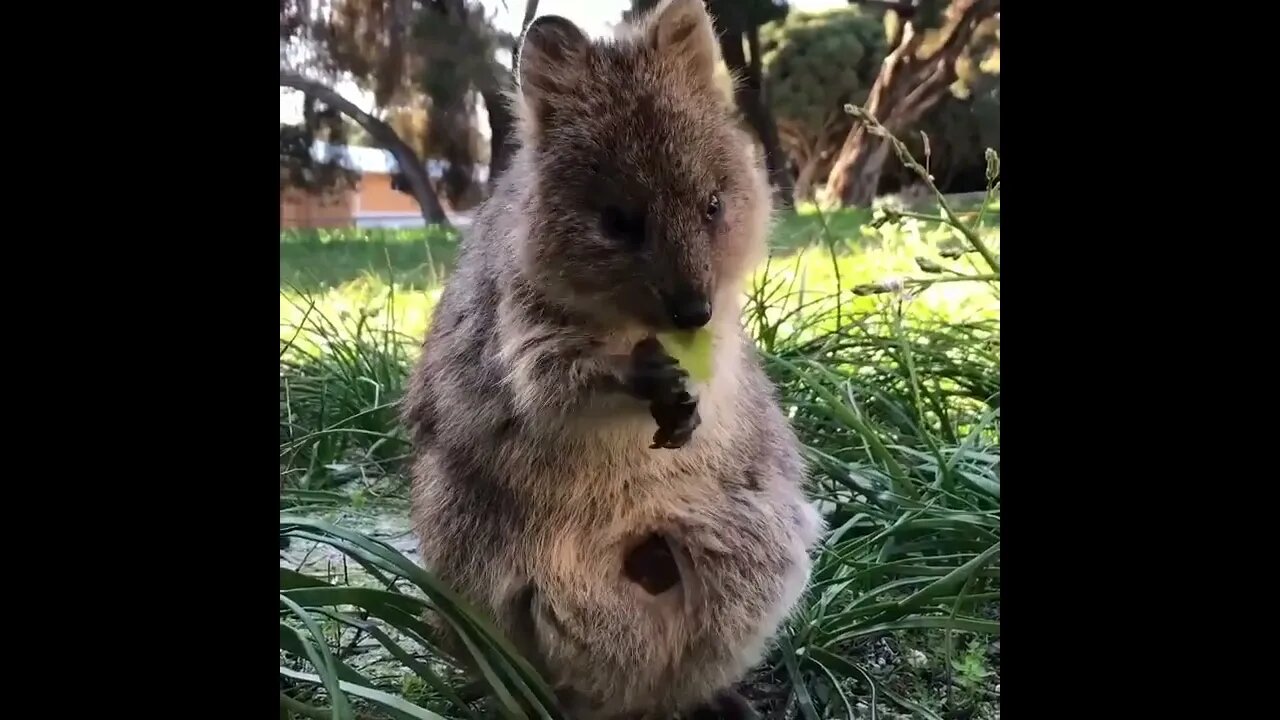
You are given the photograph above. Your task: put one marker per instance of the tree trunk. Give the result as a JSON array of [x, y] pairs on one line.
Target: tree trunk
[[530, 12], [501, 125], [779, 173], [414, 171], [804, 181], [450, 125], [907, 87], [861, 173], [391, 64], [749, 95]]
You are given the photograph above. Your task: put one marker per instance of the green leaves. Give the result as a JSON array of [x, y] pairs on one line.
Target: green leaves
[[813, 62], [394, 619], [899, 412], [340, 385]]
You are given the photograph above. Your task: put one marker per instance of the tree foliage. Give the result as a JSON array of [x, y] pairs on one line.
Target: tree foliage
[[301, 170], [936, 48], [814, 63], [302, 47], [444, 61], [456, 46], [425, 64]]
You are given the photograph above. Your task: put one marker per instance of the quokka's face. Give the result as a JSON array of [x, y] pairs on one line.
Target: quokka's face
[[651, 202]]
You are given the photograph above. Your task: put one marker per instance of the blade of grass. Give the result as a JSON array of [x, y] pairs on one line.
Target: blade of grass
[[418, 667], [454, 609], [823, 656], [798, 687], [386, 700], [321, 658]]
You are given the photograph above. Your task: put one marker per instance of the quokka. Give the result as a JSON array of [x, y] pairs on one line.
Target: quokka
[[638, 535]]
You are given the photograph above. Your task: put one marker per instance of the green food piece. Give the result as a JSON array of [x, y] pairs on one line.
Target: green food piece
[[692, 349]]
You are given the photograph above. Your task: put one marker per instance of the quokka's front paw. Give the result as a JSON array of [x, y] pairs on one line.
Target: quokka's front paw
[[676, 422], [658, 378]]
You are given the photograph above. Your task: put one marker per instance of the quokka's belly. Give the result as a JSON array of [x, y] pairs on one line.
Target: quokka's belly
[[655, 616]]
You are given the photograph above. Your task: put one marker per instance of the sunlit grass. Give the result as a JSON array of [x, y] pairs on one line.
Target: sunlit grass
[[354, 275]]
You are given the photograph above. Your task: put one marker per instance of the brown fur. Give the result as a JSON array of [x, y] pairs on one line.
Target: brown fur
[[536, 494]]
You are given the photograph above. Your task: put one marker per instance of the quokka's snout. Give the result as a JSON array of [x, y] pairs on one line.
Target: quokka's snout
[[688, 310]]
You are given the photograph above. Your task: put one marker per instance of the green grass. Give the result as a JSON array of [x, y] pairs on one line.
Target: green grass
[[895, 395], [388, 272], [313, 260]]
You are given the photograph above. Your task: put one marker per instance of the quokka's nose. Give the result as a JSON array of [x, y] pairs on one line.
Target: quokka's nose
[[691, 313]]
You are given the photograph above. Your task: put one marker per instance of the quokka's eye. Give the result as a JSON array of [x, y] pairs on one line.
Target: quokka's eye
[[622, 225], [713, 206]]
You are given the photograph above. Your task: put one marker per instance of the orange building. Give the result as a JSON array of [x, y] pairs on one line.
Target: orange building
[[372, 203]]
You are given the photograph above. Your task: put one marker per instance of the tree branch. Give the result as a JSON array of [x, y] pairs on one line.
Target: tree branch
[[415, 173], [530, 12], [965, 16], [908, 85]]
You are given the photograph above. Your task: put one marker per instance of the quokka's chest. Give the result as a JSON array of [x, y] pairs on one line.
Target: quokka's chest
[[616, 466]]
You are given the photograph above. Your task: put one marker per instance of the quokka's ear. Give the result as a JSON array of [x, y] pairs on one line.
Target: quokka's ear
[[682, 29], [552, 60]]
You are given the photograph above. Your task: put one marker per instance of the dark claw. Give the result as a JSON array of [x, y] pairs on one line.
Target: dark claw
[[676, 423], [655, 375], [658, 378]]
